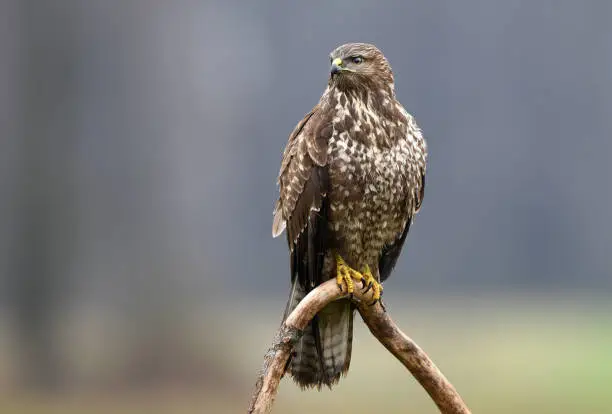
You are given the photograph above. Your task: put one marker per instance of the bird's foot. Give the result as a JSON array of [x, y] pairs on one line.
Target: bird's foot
[[345, 275], [370, 282]]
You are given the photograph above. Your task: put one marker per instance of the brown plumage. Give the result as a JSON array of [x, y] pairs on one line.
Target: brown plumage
[[351, 178]]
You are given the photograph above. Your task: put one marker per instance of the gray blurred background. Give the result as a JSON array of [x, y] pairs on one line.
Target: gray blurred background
[[139, 147]]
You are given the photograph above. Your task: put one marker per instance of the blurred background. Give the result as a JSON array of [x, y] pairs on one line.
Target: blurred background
[[140, 143]]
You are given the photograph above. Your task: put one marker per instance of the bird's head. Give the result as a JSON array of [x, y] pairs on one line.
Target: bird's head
[[359, 65]]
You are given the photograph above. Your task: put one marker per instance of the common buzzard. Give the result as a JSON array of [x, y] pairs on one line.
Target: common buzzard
[[351, 179]]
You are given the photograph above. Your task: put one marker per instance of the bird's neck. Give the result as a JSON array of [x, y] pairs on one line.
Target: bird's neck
[[372, 115], [373, 96], [364, 90]]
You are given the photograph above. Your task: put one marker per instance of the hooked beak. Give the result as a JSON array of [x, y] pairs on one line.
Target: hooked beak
[[336, 66]]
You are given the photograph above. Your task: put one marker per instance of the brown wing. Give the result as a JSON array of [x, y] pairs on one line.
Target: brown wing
[[302, 205], [302, 178]]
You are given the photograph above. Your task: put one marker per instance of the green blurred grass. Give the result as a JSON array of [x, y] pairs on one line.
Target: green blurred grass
[[503, 355]]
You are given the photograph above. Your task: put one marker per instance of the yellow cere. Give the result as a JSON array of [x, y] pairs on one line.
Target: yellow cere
[[337, 62]]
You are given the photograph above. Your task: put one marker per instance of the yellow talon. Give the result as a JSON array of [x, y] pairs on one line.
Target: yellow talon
[[345, 275], [370, 282]]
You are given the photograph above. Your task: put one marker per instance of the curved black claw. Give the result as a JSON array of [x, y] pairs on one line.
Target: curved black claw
[[382, 305], [368, 287]]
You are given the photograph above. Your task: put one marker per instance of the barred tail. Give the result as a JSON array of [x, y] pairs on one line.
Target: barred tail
[[332, 328]]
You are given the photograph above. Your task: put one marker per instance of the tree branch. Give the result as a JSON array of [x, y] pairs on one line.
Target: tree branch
[[382, 327]]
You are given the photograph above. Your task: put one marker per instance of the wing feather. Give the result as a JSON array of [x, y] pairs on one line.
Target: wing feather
[[301, 187], [302, 206]]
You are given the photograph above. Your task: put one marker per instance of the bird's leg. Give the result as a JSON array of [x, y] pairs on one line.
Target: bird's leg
[[345, 275], [370, 282]]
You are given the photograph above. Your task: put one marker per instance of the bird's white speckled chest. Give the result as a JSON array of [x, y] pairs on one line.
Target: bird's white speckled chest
[[371, 188]]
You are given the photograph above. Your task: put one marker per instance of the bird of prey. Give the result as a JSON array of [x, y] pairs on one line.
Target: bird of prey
[[351, 179]]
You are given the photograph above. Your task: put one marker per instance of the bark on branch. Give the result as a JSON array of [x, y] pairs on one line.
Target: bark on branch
[[382, 327]]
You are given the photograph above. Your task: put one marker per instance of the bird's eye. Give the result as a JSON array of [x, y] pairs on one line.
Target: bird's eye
[[357, 60]]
